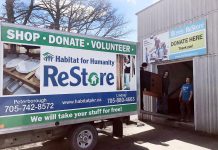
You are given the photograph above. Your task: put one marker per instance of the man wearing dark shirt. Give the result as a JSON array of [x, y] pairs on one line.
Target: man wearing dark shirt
[[162, 103], [145, 78]]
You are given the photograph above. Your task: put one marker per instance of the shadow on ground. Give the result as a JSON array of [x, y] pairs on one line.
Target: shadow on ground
[[159, 135]]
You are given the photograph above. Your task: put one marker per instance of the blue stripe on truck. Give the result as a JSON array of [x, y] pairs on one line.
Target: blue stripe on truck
[[44, 103]]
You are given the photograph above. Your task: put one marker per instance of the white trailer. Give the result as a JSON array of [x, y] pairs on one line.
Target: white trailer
[[58, 84]]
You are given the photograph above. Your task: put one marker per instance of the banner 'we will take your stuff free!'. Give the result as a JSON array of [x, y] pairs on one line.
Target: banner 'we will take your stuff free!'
[[55, 76], [183, 42]]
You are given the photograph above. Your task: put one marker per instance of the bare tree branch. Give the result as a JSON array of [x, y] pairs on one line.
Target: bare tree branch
[[93, 17]]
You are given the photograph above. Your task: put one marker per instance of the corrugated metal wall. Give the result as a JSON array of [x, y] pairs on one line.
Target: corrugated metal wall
[[206, 93], [168, 14]]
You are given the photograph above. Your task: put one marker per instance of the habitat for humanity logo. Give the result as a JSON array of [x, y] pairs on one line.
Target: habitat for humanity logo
[[48, 56]]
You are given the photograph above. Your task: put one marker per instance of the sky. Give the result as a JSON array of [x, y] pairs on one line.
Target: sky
[[129, 8]]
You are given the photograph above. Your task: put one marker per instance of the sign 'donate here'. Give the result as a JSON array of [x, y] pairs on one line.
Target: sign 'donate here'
[[183, 42]]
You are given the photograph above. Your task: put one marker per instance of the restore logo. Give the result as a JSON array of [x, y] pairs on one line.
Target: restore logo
[[76, 76], [93, 79]]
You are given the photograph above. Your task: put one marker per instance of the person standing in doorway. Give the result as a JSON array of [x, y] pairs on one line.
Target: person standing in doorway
[[162, 103], [185, 98]]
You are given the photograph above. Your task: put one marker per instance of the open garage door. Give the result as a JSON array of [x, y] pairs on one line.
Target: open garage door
[[177, 76]]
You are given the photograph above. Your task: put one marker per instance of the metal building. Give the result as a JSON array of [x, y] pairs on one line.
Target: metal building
[[169, 14]]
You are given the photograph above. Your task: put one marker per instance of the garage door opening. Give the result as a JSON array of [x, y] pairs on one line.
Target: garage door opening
[[178, 72]]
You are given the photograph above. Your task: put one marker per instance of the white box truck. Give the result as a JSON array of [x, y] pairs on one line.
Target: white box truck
[[58, 84]]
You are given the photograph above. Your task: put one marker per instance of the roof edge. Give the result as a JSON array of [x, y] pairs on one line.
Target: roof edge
[[148, 7]]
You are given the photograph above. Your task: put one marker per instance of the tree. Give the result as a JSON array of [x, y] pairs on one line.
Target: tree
[[93, 17], [18, 11], [9, 5], [56, 9]]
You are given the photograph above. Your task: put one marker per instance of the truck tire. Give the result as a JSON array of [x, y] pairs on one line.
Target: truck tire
[[84, 137]]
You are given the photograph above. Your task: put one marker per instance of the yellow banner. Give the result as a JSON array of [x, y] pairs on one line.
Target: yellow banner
[[188, 42]]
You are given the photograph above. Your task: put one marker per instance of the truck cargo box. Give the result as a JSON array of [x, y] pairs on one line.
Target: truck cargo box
[[53, 78]]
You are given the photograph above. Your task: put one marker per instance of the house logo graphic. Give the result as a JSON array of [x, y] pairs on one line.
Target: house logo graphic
[[48, 56], [93, 79]]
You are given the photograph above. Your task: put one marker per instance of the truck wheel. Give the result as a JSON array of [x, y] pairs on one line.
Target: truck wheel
[[84, 137]]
